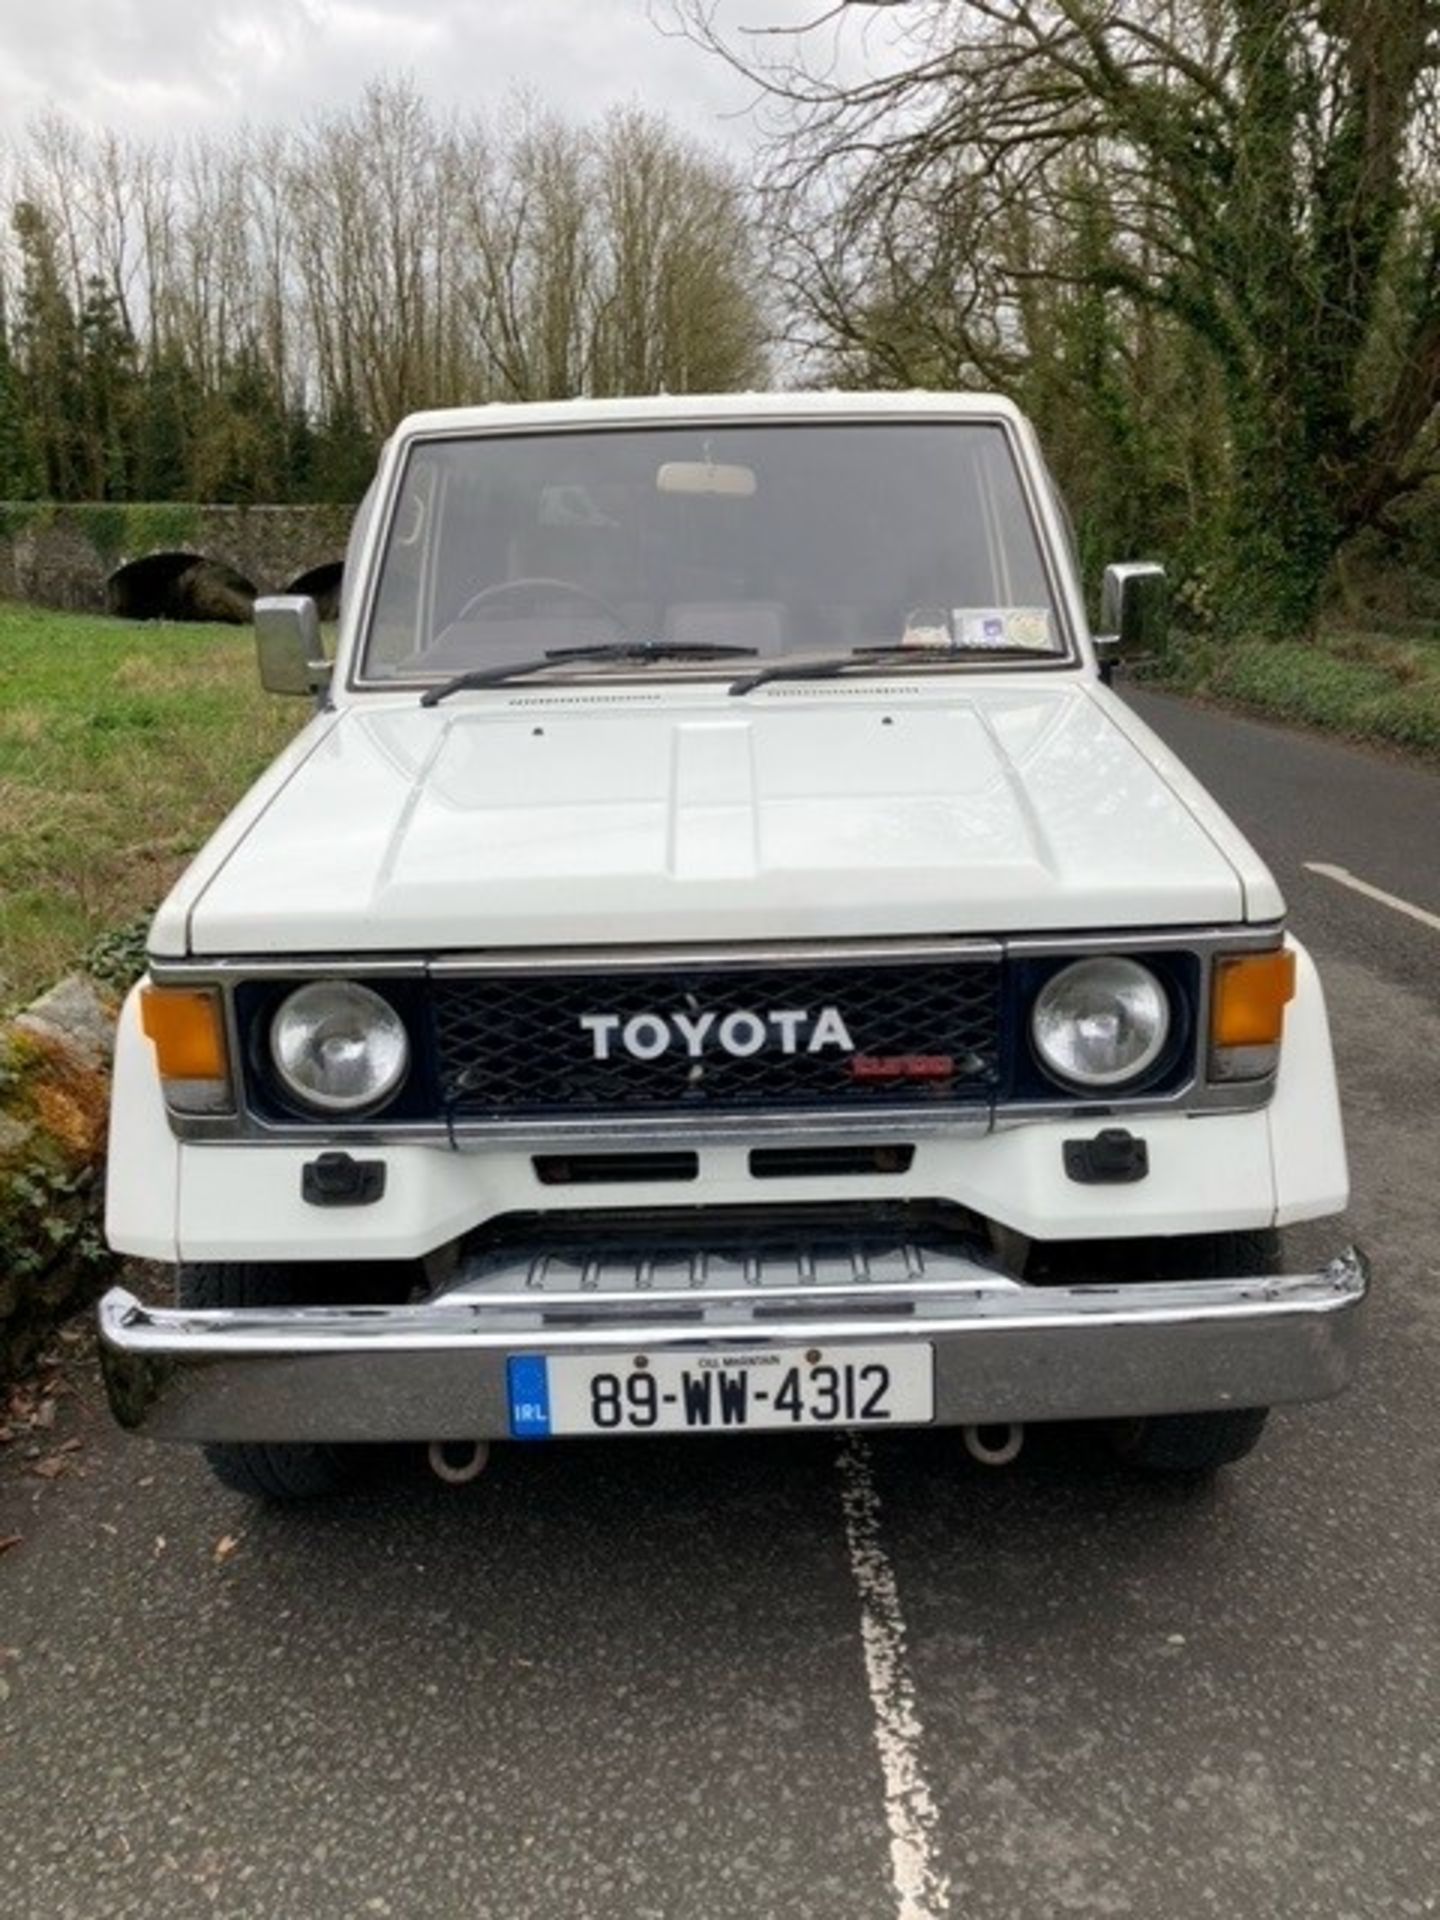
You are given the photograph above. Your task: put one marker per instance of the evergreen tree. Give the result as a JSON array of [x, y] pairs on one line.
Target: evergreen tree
[[169, 403], [49, 359], [16, 478], [343, 456], [109, 394]]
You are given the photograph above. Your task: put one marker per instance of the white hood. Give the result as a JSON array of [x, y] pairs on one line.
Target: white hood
[[582, 818]]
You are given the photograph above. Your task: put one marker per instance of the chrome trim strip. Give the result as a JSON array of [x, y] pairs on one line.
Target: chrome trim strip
[[1244, 937], [234, 970], [799, 1127], [786, 954], [1197, 1097], [195, 969], [660, 1129], [437, 1371], [629, 1130]]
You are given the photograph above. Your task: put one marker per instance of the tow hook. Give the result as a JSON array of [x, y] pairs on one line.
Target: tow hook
[[457, 1462], [995, 1445]]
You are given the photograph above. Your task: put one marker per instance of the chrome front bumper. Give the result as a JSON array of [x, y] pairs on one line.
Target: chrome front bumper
[[1003, 1352]]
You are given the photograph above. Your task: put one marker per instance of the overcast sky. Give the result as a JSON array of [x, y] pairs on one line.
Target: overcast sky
[[176, 66]]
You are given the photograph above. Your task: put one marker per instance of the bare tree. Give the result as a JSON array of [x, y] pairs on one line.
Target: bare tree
[[681, 307]]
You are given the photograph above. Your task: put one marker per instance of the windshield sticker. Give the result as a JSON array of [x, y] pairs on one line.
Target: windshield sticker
[[1030, 627], [927, 627], [1026, 627]]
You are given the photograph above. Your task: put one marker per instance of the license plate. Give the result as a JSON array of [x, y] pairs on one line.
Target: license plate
[[751, 1390]]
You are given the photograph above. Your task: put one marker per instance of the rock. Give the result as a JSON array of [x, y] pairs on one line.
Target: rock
[[77, 1015], [54, 1095]]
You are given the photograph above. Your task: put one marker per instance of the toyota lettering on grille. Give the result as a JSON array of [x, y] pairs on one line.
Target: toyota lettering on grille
[[718, 1039], [741, 1033]]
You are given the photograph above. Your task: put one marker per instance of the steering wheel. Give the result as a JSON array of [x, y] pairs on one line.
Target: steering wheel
[[503, 589]]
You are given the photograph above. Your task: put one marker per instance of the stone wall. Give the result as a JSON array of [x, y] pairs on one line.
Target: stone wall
[[68, 556]]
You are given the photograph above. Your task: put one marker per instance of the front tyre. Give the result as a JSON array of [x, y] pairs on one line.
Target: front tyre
[[1192, 1445], [1195, 1445], [292, 1470]]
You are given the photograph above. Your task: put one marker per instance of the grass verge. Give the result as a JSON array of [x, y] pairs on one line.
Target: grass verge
[[121, 747], [1367, 686]]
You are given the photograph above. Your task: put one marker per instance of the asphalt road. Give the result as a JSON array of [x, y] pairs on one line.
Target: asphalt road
[[631, 1681]]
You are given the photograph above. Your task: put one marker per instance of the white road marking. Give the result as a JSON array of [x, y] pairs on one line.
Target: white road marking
[[921, 1889], [1343, 877]]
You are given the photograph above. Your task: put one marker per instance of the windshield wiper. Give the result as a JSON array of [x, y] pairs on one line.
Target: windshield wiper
[[831, 665], [621, 650]]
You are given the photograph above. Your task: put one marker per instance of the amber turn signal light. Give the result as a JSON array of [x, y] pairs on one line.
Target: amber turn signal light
[[188, 1031], [1249, 997]]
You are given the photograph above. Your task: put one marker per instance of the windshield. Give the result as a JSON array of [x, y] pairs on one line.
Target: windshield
[[781, 539]]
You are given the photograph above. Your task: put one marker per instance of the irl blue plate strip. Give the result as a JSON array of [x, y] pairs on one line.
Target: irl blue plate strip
[[529, 1397]]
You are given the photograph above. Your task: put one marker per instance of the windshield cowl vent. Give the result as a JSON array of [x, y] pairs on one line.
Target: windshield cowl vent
[[634, 698]]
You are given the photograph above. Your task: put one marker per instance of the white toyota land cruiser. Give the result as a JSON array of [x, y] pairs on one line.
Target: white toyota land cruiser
[[720, 958]]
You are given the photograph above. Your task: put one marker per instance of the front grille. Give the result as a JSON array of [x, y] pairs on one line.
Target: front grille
[[862, 1036]]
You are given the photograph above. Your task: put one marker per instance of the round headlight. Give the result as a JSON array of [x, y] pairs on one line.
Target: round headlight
[[338, 1046], [1100, 1022]]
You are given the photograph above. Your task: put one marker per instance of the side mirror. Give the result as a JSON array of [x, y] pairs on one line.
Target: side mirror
[[287, 644], [1134, 614]]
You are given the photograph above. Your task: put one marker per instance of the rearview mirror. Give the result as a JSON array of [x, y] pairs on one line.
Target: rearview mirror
[[1134, 613], [704, 476], [287, 644]]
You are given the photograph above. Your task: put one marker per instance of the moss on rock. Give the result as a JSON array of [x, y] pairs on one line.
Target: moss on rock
[[54, 1101]]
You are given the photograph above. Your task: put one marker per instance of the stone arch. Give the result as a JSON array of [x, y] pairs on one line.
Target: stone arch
[[179, 586], [322, 583]]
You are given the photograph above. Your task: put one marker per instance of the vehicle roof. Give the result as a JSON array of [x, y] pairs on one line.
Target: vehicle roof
[[682, 408]]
